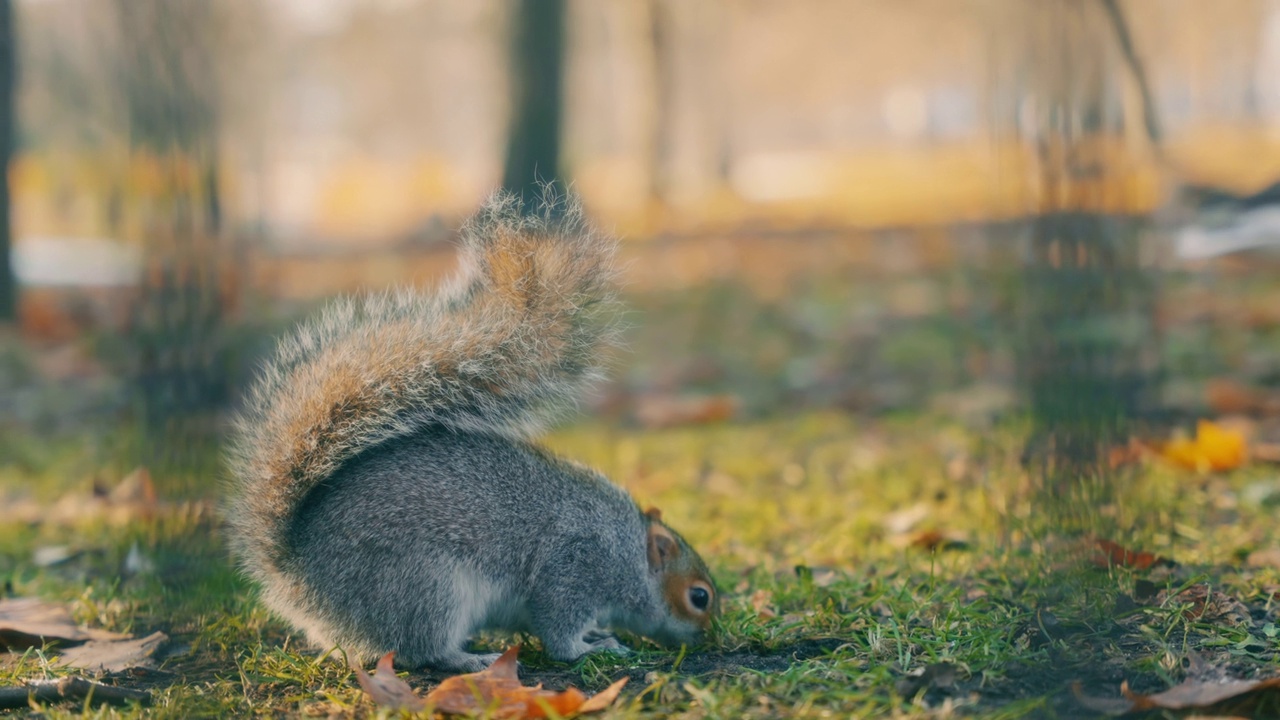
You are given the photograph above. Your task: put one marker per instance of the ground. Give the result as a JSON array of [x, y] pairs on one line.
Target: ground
[[853, 555]]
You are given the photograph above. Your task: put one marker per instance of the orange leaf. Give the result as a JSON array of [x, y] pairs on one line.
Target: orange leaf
[[603, 699], [932, 540], [1113, 554], [1214, 448], [498, 692], [664, 411]]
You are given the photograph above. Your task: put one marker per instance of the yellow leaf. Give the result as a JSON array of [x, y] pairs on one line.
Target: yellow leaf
[[1214, 448]]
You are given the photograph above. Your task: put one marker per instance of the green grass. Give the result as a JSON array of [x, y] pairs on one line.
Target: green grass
[[791, 514]]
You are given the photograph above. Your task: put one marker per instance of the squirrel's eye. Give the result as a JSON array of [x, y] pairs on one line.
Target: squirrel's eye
[[699, 597]]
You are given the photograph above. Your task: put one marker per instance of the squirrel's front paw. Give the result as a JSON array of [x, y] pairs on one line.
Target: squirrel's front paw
[[465, 662], [607, 643], [575, 646]]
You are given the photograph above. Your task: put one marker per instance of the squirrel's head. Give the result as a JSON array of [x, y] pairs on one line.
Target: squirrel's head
[[685, 583]]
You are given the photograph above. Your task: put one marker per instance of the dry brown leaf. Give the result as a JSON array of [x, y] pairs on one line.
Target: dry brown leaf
[[386, 689], [1190, 695], [31, 622], [603, 699], [668, 411], [134, 498], [1203, 603], [496, 691], [1267, 452], [108, 656], [938, 540], [136, 488], [1226, 396], [1266, 558], [1130, 453]]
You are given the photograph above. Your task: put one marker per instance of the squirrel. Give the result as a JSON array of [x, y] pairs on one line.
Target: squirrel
[[385, 492]]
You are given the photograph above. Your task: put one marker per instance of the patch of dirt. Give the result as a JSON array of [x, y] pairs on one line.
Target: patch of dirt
[[733, 663], [1100, 656]]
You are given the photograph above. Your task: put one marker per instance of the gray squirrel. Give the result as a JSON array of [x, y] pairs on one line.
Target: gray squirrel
[[385, 493]]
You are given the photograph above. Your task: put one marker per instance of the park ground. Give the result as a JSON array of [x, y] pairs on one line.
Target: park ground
[[902, 566]]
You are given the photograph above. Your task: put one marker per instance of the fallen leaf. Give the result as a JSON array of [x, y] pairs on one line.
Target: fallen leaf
[[1190, 695], [938, 540], [663, 411], [603, 699], [1266, 558], [1204, 603], [1110, 554], [1226, 396], [31, 622], [110, 656], [904, 521], [495, 691], [1214, 448], [1267, 452], [133, 498], [1130, 453], [386, 689]]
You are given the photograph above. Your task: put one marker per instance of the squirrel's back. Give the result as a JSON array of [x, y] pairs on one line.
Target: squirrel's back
[[499, 349]]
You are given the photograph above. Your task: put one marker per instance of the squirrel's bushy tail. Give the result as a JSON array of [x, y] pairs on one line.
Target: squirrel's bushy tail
[[508, 342]]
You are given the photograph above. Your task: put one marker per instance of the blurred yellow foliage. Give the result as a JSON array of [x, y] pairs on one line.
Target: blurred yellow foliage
[[364, 197], [1214, 448]]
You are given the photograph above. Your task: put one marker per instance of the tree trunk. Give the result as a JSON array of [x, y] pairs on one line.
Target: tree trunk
[[1088, 352], [533, 146], [8, 77], [167, 77]]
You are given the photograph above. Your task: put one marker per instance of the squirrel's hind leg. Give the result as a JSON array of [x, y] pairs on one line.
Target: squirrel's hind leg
[[441, 646]]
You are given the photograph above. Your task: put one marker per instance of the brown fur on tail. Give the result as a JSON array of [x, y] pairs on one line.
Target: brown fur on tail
[[511, 340]]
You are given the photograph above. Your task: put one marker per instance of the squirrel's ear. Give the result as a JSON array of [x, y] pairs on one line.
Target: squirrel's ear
[[654, 514], [663, 547]]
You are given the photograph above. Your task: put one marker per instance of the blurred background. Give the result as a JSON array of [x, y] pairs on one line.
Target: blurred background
[[1065, 210]]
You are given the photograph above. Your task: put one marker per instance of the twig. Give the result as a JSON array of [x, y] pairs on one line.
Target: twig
[[69, 688]]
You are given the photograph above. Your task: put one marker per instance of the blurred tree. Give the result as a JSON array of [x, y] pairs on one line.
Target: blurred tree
[[1088, 354], [8, 77], [690, 155], [166, 60], [537, 59], [664, 71]]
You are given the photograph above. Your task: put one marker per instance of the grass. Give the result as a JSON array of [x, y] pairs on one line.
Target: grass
[[828, 608]]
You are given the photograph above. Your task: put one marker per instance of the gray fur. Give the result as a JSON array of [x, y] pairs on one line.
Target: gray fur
[[384, 496], [432, 538]]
